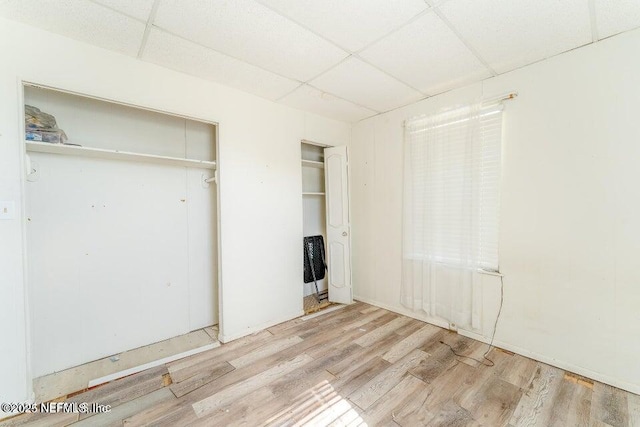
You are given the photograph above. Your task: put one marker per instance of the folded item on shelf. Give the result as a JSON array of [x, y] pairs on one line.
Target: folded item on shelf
[[54, 137], [41, 126]]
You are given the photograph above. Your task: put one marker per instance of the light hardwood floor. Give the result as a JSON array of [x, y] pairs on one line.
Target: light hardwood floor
[[359, 365]]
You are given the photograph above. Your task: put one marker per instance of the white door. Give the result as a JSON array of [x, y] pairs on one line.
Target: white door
[[338, 227]]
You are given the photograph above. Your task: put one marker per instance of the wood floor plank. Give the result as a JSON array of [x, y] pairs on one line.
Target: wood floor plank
[[415, 340], [264, 351], [235, 414], [191, 365], [235, 391], [379, 333], [357, 378], [609, 405], [409, 328], [182, 416], [212, 363], [335, 322], [572, 405], [344, 338], [123, 390], [119, 413], [321, 349], [534, 408], [441, 359], [363, 320], [520, 371], [329, 322], [301, 407], [165, 410], [447, 384], [474, 354], [633, 405], [473, 385], [38, 419], [293, 327], [369, 309], [350, 416], [382, 411], [448, 414], [204, 376], [320, 400], [249, 371], [290, 396], [363, 355], [495, 402], [414, 412], [335, 412], [373, 390]]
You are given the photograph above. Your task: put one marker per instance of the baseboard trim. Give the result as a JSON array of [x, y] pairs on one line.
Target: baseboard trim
[[404, 312], [630, 387], [225, 338]]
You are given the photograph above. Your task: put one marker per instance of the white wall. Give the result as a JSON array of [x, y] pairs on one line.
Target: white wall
[[260, 179], [570, 216]]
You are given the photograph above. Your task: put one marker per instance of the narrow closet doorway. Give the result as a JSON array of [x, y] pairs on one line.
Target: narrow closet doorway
[[121, 219], [326, 226]]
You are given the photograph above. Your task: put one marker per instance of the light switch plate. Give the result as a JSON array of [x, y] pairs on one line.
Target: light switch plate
[[7, 210]]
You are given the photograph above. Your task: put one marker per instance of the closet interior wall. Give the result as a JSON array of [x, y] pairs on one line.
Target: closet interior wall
[[121, 253]]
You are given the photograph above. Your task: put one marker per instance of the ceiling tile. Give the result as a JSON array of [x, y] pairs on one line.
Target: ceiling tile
[[513, 33], [434, 3], [79, 19], [616, 16], [322, 103], [427, 55], [181, 55], [251, 32], [334, 19], [139, 9], [363, 84]]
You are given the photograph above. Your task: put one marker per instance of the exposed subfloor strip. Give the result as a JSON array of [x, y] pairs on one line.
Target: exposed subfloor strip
[[90, 374]]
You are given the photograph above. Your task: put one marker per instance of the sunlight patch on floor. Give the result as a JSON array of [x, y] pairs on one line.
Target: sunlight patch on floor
[[320, 405]]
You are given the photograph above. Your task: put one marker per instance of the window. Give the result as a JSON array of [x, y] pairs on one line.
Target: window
[[452, 183]]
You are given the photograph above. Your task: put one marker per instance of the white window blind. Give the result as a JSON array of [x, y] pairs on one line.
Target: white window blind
[[452, 184]]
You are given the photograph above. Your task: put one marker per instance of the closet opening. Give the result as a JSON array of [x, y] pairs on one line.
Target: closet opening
[[314, 228], [121, 220], [326, 227]]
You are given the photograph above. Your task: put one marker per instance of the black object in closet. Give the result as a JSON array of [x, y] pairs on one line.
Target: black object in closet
[[314, 263]]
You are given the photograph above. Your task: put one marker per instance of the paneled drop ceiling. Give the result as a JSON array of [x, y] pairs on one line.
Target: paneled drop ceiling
[[344, 59]]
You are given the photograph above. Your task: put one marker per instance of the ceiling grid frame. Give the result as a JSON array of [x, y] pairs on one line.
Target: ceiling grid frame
[[118, 11], [381, 22], [351, 53], [149, 25], [594, 23], [339, 97], [164, 30], [471, 49]]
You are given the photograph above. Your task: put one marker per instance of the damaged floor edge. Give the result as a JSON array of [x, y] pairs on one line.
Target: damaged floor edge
[[62, 383]]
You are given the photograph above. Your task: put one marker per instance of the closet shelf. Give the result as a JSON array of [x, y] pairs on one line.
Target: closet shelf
[[100, 153], [308, 193], [313, 164]]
